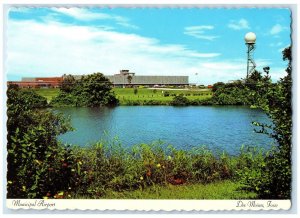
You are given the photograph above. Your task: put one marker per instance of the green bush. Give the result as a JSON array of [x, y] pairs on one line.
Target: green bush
[[166, 94], [33, 167], [180, 100]]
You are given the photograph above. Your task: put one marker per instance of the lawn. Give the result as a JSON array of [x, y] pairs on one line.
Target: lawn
[[48, 93], [143, 94], [218, 190]]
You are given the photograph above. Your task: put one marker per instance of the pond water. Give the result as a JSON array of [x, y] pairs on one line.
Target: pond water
[[217, 127]]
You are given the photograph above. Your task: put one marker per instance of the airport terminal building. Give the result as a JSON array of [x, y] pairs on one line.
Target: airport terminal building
[[122, 79], [125, 78]]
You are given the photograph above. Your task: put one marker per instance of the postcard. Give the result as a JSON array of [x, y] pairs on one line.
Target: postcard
[[147, 108]]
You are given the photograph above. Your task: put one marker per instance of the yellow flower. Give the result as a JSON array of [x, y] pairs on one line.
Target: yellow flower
[[24, 188], [158, 165], [45, 197], [141, 178], [169, 158], [38, 162], [9, 182]]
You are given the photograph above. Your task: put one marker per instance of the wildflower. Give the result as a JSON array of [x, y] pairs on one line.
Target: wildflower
[[24, 188], [45, 197], [141, 178], [148, 173], [169, 158], [61, 193], [158, 165], [9, 182], [38, 162], [80, 163], [73, 170]]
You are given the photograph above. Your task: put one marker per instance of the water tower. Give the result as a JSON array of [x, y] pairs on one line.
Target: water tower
[[250, 39]]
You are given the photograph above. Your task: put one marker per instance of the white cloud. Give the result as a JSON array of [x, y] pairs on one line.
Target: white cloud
[[87, 15], [276, 29], [52, 49], [200, 32], [276, 44], [238, 25], [82, 14]]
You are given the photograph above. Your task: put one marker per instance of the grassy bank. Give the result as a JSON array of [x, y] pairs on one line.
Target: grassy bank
[[109, 170], [126, 96], [48, 93], [217, 190]]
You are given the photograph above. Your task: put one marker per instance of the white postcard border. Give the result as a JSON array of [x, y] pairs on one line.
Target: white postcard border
[[147, 205]]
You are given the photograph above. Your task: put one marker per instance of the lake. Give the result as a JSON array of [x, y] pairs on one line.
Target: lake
[[217, 127]]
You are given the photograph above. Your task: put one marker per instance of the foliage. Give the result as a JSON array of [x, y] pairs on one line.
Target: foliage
[[180, 100], [107, 166], [135, 91], [217, 190], [275, 100], [234, 93], [129, 79], [33, 167], [217, 85], [166, 94], [92, 91], [68, 83]]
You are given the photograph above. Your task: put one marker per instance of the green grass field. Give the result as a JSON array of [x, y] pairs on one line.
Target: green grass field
[[143, 94], [218, 190], [48, 93]]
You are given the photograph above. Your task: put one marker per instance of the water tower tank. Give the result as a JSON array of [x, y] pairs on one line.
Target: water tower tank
[[250, 38]]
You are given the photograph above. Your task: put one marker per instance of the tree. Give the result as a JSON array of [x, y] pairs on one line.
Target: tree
[[275, 99], [180, 100], [93, 90], [68, 83], [217, 85], [96, 90], [129, 79]]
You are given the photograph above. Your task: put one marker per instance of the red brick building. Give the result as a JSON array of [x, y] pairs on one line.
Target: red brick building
[[38, 82]]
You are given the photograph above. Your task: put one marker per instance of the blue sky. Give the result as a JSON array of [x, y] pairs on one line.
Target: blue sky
[[205, 44]]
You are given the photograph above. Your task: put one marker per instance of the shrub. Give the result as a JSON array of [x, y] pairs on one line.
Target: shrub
[[34, 170], [166, 94], [180, 100]]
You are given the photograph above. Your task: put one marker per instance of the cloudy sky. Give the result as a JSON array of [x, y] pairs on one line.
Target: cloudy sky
[[205, 44]]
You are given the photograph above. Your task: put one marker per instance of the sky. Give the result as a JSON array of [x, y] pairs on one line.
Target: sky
[[205, 44]]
